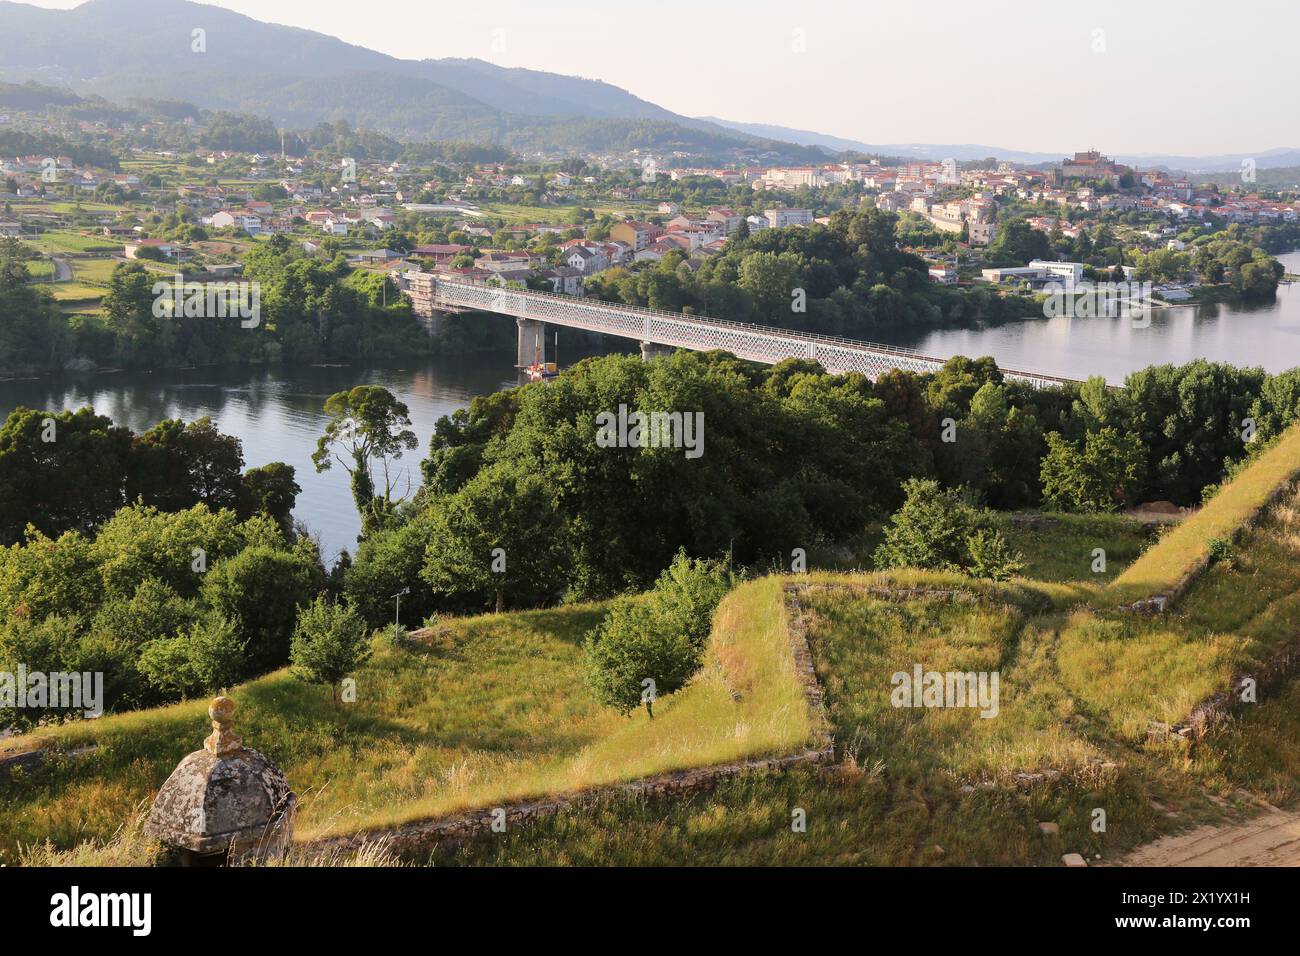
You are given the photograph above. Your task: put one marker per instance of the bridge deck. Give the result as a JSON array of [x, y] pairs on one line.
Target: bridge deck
[[700, 333]]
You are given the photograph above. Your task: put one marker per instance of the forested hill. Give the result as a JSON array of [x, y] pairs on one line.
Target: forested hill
[[124, 49]]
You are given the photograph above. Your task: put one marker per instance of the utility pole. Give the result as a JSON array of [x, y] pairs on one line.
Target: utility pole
[[397, 614]]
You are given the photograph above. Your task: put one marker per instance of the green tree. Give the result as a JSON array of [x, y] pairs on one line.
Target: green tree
[[499, 537], [262, 589], [367, 425], [270, 490], [930, 530], [330, 641], [637, 655], [206, 657], [177, 465], [1102, 475], [60, 471], [989, 556]]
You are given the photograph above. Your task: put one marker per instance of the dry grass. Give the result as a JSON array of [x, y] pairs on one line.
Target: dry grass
[[1188, 544], [494, 711]]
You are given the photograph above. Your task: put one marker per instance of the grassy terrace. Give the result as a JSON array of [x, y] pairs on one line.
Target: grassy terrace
[[493, 708], [1128, 670], [1188, 544], [490, 710]]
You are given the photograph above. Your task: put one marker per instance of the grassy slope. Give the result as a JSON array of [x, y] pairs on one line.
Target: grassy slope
[[492, 710], [1188, 543], [1129, 670], [1077, 687]]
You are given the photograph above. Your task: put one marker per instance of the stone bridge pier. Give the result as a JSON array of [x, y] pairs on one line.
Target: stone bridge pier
[[532, 341], [653, 350]]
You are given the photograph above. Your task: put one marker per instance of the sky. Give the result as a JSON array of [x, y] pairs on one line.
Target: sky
[[1137, 76]]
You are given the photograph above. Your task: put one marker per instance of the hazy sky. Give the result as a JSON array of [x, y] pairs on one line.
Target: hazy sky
[[1169, 76]]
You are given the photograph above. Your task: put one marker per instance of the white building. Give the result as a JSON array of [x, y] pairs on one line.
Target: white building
[[780, 218]]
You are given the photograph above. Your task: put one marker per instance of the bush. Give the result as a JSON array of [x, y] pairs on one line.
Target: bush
[[930, 530], [388, 561], [636, 654], [1101, 477], [330, 641], [652, 645], [207, 657], [688, 592], [263, 589], [991, 557], [60, 643], [1222, 550]]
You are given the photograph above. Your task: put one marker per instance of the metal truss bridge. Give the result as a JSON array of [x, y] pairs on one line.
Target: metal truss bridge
[[673, 330]]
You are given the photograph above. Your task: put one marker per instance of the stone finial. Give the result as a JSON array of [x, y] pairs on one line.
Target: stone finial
[[225, 801], [222, 741]]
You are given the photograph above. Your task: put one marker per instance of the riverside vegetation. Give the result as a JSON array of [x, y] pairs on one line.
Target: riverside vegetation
[[857, 443]]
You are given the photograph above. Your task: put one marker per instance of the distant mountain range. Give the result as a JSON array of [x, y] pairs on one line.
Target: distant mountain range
[[125, 49]]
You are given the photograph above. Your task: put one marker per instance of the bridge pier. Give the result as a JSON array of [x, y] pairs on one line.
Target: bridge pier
[[532, 341], [653, 350]]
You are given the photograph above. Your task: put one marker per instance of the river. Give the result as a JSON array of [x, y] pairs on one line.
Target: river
[[276, 412], [1258, 334]]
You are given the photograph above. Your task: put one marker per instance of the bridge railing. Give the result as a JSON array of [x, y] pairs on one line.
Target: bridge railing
[[596, 306]]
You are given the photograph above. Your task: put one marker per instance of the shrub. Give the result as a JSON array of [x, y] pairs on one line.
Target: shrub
[[388, 561], [262, 589], [930, 530], [330, 641], [991, 557], [1221, 549], [688, 592], [653, 645], [206, 657], [1101, 476], [635, 655]]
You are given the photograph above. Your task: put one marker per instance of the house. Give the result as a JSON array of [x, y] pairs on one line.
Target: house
[[981, 233], [376, 256], [237, 219], [564, 280], [586, 261], [636, 234], [168, 250], [729, 218], [780, 218], [441, 252], [10, 229], [504, 262], [943, 274], [667, 208]]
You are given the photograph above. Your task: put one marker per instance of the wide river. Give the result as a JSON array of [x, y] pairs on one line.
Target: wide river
[[277, 412]]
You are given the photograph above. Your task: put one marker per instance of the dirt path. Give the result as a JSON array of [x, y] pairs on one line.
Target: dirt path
[[1270, 839]]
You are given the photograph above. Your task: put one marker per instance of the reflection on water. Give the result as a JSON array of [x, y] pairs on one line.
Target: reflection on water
[[277, 414], [1264, 334]]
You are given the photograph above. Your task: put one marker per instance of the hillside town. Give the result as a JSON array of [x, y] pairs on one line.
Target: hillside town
[[359, 208]]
